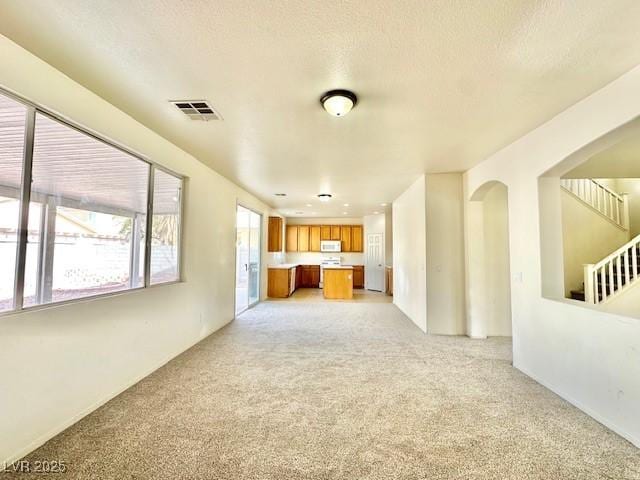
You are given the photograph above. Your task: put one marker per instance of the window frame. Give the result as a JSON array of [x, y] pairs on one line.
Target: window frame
[[25, 196]]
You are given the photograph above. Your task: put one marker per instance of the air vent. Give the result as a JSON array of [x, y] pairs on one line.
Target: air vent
[[197, 109]]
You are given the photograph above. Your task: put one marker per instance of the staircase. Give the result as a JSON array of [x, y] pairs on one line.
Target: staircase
[[619, 270], [606, 202], [611, 275]]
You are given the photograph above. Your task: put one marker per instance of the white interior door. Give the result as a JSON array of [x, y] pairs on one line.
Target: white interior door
[[374, 262]]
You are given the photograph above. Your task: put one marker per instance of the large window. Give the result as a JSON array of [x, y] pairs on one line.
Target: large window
[[12, 127], [80, 229], [165, 227]]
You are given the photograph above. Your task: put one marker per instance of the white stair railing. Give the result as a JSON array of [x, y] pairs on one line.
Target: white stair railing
[[602, 199], [612, 274]]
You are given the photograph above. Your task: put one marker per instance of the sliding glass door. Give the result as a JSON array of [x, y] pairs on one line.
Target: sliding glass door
[[248, 235]]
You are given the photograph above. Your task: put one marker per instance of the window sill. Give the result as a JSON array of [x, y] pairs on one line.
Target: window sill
[[91, 298]]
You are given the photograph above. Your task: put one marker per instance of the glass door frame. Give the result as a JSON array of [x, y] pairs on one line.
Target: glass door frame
[[260, 243]]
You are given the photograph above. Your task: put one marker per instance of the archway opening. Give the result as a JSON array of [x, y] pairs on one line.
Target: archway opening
[[489, 289]]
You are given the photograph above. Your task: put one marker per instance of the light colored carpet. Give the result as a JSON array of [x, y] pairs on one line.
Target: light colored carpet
[[320, 390]]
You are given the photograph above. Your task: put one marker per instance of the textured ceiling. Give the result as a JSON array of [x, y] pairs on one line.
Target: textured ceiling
[[442, 84]]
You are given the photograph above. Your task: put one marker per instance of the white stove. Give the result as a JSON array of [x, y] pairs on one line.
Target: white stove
[[328, 262]]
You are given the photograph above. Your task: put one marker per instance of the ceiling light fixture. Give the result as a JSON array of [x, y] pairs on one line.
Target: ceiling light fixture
[[324, 197], [383, 204], [345, 205], [344, 213], [280, 194], [338, 102], [309, 205], [376, 213]]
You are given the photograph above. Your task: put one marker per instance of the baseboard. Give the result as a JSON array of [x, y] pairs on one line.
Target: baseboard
[[635, 441], [407, 315], [41, 440]]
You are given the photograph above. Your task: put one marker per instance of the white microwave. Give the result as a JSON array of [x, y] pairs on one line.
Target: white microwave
[[330, 246]]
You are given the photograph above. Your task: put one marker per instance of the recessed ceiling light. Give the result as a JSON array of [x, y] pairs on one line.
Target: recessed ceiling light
[[383, 204], [344, 213], [376, 213], [313, 213], [324, 197], [338, 102], [345, 205], [309, 205], [280, 194], [299, 213]]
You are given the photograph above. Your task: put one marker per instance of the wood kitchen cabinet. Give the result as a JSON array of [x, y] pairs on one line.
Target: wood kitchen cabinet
[[282, 281], [279, 282], [338, 283], [292, 238], [310, 276], [307, 238], [303, 238], [298, 281], [358, 276], [274, 234], [314, 238], [357, 240], [345, 236]]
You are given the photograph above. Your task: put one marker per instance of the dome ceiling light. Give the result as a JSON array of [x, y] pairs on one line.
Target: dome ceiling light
[[324, 197], [338, 102]]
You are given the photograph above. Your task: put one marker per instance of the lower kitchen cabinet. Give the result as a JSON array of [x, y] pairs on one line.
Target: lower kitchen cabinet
[[279, 282], [310, 276], [358, 276], [283, 281]]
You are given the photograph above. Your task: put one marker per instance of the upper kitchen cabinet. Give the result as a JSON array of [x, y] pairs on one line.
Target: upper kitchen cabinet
[[356, 239], [345, 236], [274, 234], [307, 238], [314, 238], [303, 238], [292, 238]]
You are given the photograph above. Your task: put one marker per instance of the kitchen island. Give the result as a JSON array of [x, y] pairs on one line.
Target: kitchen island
[[338, 282]]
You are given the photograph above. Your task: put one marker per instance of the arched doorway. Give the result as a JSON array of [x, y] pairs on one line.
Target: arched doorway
[[489, 277]]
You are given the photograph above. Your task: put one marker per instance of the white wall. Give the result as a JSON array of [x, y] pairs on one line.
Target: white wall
[[388, 238], [631, 186], [445, 254], [588, 237], [409, 253], [626, 303], [586, 356], [314, 258], [59, 363], [497, 273]]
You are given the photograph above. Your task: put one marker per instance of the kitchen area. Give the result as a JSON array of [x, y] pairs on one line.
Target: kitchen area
[[325, 257]]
